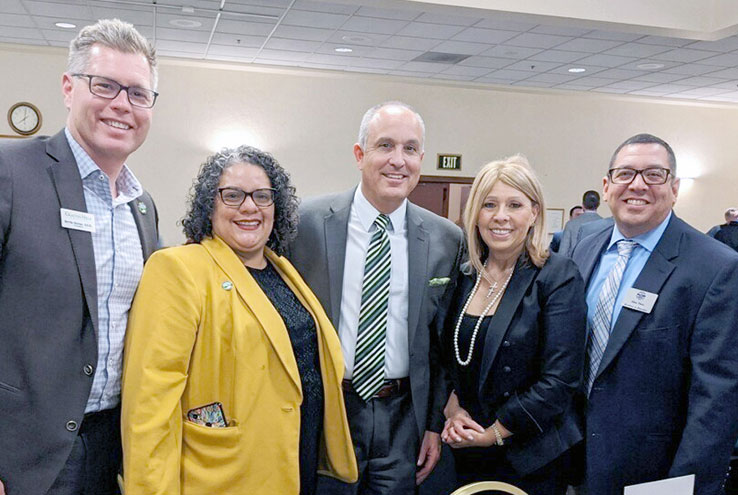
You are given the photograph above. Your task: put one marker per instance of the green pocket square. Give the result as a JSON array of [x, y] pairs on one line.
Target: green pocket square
[[437, 282]]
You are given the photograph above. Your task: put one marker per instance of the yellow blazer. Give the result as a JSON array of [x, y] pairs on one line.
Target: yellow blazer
[[201, 330]]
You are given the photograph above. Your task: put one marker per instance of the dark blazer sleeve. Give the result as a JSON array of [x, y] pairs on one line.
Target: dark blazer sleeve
[[440, 387], [562, 321], [712, 412]]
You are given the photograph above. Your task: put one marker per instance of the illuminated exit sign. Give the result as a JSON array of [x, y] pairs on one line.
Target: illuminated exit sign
[[449, 162]]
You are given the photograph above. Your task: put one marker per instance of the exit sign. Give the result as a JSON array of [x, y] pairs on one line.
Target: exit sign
[[449, 162]]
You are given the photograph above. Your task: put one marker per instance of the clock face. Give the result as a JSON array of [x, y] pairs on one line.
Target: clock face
[[24, 118]]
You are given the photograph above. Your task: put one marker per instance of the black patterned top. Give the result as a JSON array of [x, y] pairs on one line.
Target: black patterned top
[[303, 335]]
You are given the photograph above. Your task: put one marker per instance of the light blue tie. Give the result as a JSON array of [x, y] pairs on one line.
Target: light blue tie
[[602, 318], [371, 339]]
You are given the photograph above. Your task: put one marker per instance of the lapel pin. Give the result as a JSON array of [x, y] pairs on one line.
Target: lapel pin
[[227, 285], [142, 207]]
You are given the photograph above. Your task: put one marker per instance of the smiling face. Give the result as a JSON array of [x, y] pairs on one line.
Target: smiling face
[[504, 220], [390, 164], [246, 228], [637, 207], [108, 130]]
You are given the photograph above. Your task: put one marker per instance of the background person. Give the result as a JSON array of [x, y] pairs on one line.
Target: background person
[[572, 234], [226, 320], [75, 229], [660, 392], [574, 212], [514, 340], [731, 215], [728, 232]]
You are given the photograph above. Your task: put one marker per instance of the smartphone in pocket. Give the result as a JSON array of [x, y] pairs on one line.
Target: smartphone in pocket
[[210, 415]]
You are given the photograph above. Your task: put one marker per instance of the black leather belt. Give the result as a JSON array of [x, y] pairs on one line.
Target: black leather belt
[[391, 388]]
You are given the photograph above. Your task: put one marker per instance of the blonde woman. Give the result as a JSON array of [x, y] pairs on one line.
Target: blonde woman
[[515, 339]]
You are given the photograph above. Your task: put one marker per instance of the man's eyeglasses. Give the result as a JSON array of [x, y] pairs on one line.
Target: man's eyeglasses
[[235, 197], [653, 176], [108, 88]]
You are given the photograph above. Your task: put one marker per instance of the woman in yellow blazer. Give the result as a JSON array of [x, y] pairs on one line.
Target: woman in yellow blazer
[[232, 374]]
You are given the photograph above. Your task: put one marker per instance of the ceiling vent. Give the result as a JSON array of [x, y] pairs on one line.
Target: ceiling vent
[[441, 58]]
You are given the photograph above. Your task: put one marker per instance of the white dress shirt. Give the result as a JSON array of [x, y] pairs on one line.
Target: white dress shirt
[[360, 229]]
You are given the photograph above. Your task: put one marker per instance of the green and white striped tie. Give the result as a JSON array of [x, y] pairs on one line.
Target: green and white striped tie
[[371, 340]]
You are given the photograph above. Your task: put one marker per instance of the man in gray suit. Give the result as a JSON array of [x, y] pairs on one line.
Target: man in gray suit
[[395, 428], [75, 229], [571, 235]]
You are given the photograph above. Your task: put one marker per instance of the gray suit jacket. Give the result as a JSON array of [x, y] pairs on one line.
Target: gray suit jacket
[[435, 248], [48, 303], [571, 235]]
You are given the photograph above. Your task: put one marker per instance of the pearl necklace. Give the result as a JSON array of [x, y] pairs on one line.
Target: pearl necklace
[[479, 320]]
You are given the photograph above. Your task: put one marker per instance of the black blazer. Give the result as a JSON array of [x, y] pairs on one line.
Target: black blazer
[[664, 401], [533, 358], [48, 309]]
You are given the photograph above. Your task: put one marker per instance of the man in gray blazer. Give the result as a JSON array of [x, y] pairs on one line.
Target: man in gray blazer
[[75, 229], [395, 426], [571, 235]]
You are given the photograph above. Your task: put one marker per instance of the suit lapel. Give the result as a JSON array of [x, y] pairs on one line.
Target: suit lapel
[[336, 230], [588, 256], [144, 215], [418, 251], [254, 298], [68, 184], [651, 279], [499, 325]]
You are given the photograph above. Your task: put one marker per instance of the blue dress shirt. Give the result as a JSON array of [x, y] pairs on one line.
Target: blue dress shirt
[[646, 243]]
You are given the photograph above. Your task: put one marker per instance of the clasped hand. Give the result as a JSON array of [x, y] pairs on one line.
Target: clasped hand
[[461, 431]]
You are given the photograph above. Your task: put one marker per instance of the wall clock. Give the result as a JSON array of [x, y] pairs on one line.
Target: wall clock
[[24, 118]]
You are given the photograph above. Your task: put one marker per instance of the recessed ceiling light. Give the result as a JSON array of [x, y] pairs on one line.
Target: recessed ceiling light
[[185, 23], [577, 70], [343, 49], [65, 25], [650, 66], [354, 38]]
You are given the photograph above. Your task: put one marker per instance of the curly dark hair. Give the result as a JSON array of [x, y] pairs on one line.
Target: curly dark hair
[[197, 223]]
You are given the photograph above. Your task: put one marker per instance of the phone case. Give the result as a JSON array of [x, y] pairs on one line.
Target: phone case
[[210, 415]]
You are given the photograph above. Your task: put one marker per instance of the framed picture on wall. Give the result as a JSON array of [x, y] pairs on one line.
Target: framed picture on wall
[[554, 220]]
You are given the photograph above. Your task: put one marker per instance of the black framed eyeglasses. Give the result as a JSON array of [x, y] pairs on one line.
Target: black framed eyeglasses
[[232, 196], [109, 89], [653, 176]]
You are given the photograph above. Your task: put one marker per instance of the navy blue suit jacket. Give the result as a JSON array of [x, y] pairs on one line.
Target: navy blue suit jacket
[[665, 398]]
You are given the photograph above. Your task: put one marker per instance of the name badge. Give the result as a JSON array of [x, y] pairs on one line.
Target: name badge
[[640, 300], [77, 220]]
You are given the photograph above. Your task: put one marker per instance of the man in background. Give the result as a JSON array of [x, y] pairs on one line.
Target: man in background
[[727, 233], [571, 236], [383, 268], [574, 212], [75, 229], [660, 387]]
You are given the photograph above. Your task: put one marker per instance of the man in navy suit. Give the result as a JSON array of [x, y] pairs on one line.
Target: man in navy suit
[[661, 376]]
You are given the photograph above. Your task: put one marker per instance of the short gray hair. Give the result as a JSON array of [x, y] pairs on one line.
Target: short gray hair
[[369, 115], [731, 214], [115, 34]]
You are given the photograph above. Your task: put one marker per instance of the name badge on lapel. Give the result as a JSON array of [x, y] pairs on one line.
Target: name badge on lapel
[[77, 220], [640, 300]]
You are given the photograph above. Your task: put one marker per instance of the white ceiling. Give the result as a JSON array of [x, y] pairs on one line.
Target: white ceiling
[[699, 59]]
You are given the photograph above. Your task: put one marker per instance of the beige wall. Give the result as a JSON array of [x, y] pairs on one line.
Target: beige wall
[[309, 120]]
